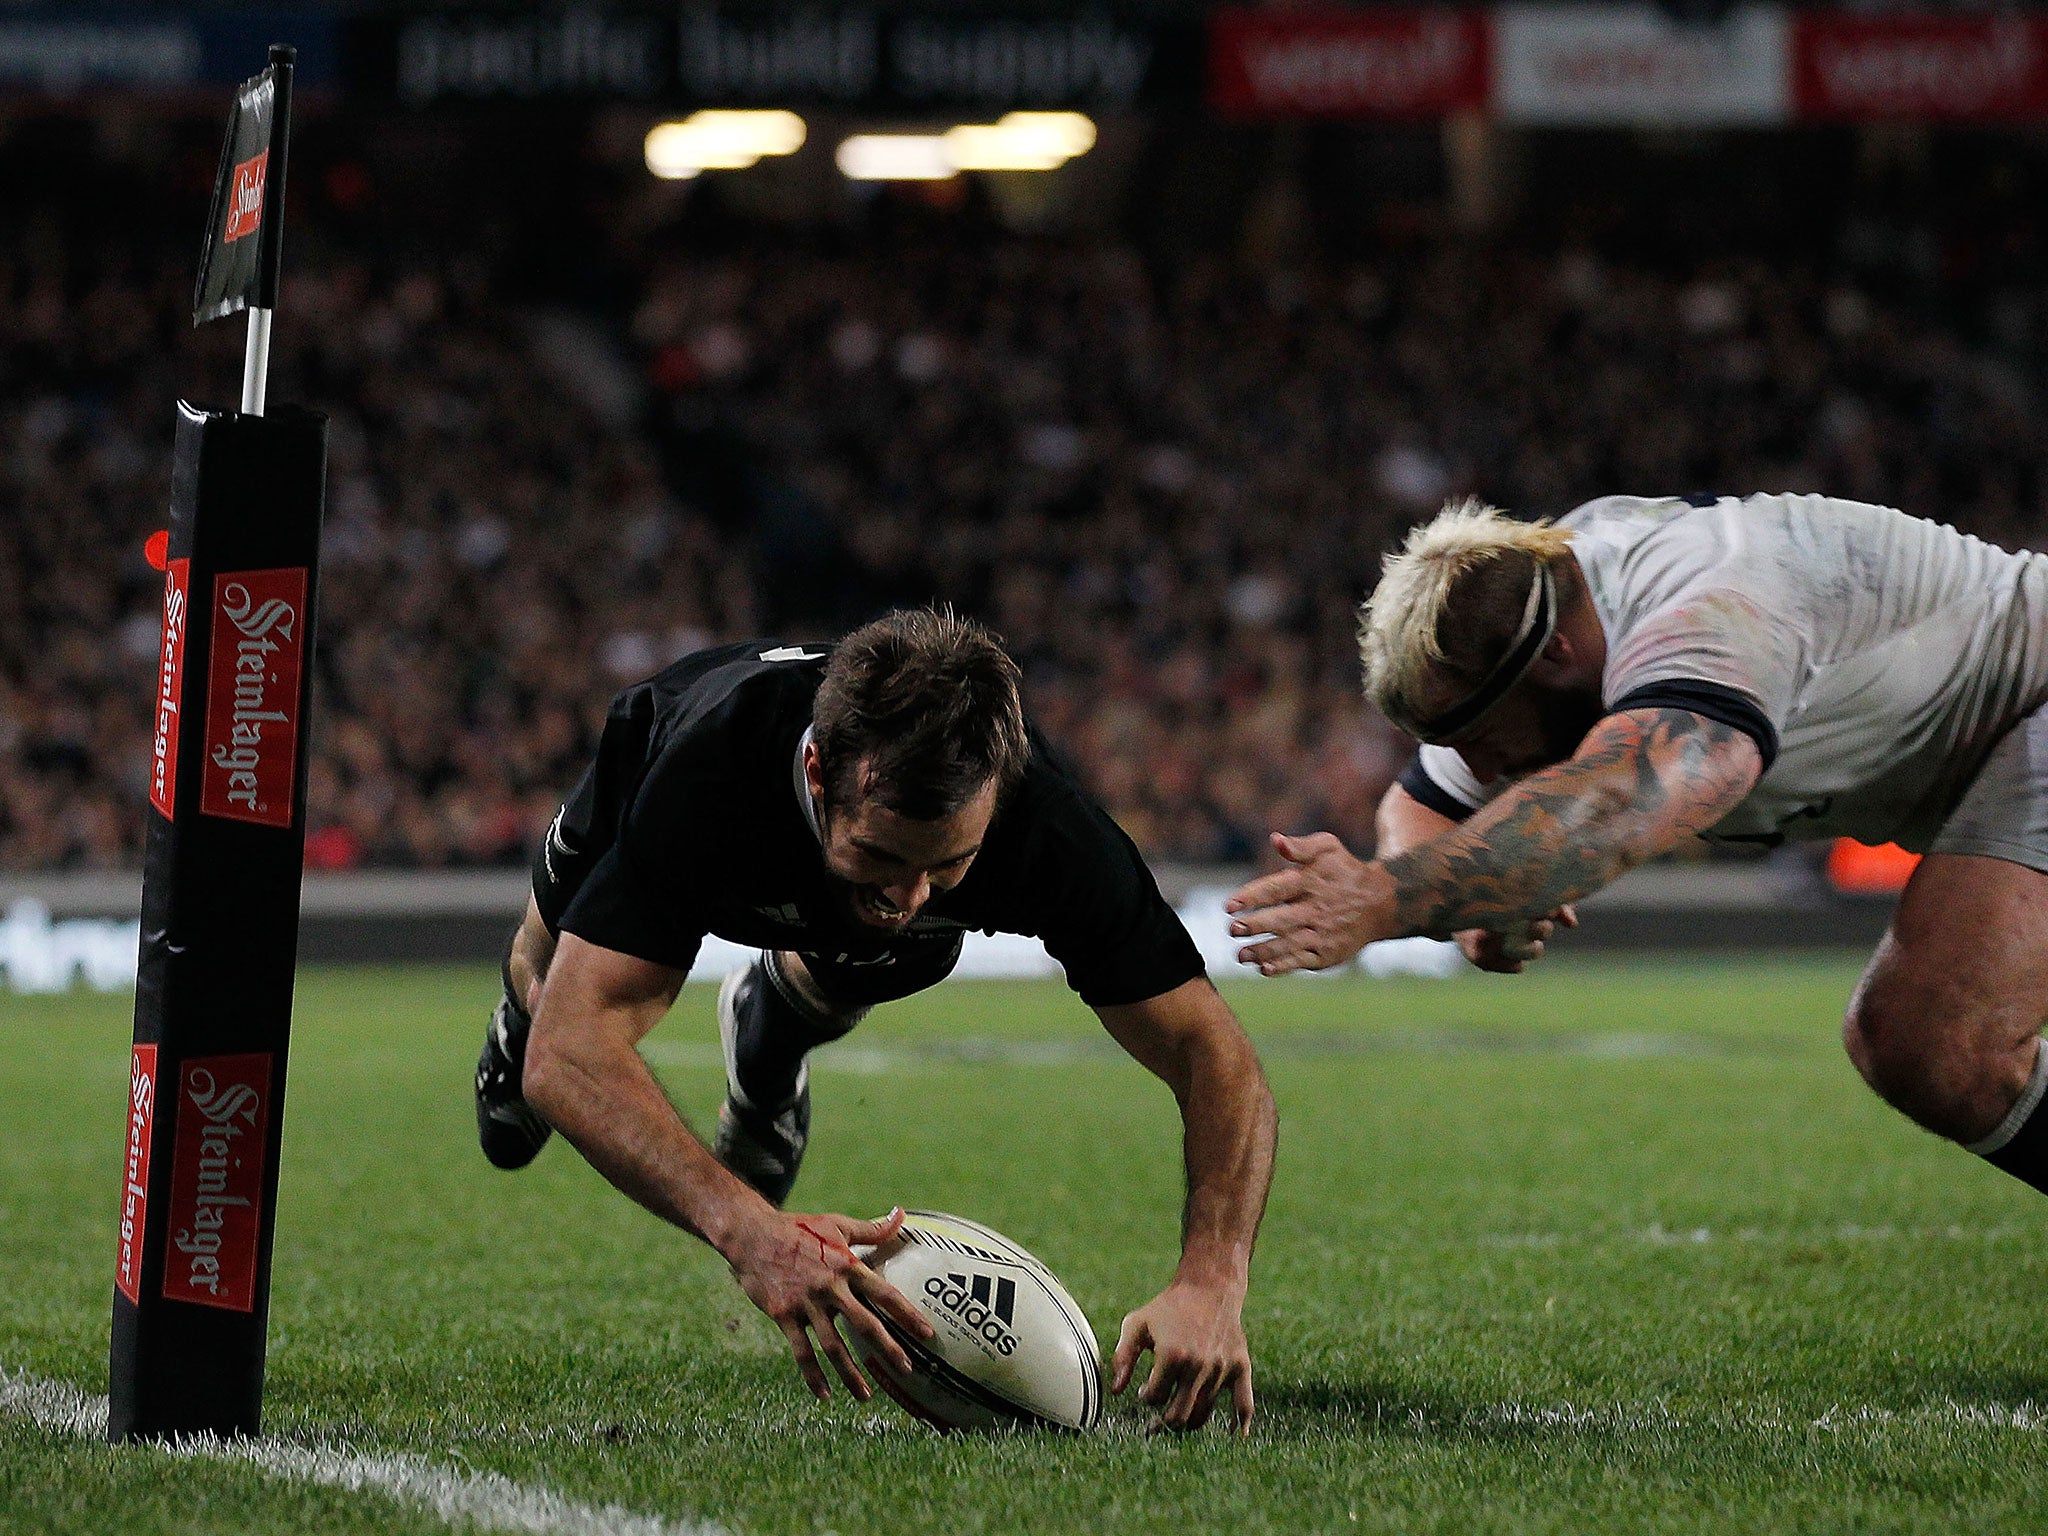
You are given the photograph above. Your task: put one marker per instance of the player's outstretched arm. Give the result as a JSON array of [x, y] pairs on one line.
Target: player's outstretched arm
[[1641, 782], [1404, 822], [1191, 1041], [584, 1074]]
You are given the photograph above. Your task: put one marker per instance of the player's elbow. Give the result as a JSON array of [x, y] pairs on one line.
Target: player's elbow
[[1739, 764], [1608, 803]]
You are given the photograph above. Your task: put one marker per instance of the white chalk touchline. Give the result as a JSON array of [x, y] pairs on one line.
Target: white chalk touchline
[[1657, 1235], [485, 1500], [2027, 1417], [880, 1058]]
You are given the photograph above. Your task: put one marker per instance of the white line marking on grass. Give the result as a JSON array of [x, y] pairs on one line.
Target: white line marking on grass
[[1657, 1235], [2029, 1417], [1657, 1417], [484, 1500], [54, 1405], [880, 1058]]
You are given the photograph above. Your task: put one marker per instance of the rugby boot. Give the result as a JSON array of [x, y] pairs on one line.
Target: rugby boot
[[511, 1133], [762, 1133]]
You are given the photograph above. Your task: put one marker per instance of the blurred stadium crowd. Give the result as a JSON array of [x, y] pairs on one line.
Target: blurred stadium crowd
[[1166, 486]]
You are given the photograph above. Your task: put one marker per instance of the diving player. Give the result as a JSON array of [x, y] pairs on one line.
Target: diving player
[[853, 811], [1592, 693]]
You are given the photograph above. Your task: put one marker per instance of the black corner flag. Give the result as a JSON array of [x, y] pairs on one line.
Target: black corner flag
[[239, 263], [226, 847]]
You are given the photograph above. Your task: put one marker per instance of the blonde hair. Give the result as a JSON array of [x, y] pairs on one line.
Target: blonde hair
[[1489, 560]]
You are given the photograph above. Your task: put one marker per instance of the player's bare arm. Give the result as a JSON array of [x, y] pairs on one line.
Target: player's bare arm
[[1641, 782], [586, 1076], [1191, 1041], [1404, 822]]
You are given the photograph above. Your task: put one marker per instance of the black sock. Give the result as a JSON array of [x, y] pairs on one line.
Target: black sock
[[2020, 1144], [778, 1027]]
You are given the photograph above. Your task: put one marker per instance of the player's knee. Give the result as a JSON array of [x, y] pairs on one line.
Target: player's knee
[[1925, 1069], [1862, 1039], [1890, 1046]]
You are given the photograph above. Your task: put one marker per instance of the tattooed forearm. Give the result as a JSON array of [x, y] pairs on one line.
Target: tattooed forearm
[[1642, 782]]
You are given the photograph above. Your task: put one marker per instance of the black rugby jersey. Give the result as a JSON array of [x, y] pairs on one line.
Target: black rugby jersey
[[695, 820]]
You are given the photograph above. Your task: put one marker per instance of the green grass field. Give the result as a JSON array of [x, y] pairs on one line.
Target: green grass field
[[1612, 1247]]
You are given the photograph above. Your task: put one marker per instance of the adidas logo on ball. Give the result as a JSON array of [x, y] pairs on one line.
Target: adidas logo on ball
[[968, 1298], [1012, 1349]]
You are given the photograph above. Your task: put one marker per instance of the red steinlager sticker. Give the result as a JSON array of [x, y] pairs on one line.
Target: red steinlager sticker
[[170, 689], [252, 695], [135, 1171], [245, 198], [217, 1181]]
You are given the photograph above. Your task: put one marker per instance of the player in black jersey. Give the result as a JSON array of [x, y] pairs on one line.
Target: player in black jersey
[[853, 811]]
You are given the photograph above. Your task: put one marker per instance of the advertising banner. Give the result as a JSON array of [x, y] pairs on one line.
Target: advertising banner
[[1347, 64], [252, 696], [61, 50], [698, 54], [170, 687], [216, 1212], [1920, 68], [1602, 66], [135, 1171]]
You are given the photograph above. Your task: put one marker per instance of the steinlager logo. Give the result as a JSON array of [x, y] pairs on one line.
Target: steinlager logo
[[217, 1181], [135, 1171], [252, 695], [245, 199], [170, 689], [986, 1305]]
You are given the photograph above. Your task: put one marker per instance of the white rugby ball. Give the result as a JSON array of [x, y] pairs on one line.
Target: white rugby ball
[[1012, 1349]]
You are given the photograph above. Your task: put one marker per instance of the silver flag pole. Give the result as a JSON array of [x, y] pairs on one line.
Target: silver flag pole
[[256, 363]]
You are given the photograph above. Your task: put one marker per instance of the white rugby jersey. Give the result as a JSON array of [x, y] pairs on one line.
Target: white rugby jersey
[[1875, 657]]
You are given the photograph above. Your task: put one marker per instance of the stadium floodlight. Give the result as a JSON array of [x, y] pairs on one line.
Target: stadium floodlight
[[720, 141], [992, 147], [1066, 134], [896, 157], [1018, 141], [1021, 141]]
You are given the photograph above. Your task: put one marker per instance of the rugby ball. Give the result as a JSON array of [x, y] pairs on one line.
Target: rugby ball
[[1012, 1349]]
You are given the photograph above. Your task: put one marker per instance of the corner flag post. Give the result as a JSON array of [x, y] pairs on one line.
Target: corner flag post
[[226, 846], [270, 237]]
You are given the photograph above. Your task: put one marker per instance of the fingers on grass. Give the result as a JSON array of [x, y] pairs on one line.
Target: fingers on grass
[[1131, 1342], [1191, 1404], [806, 1358], [836, 1351], [1158, 1388]]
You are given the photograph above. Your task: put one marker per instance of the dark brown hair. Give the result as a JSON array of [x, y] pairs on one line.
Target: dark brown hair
[[926, 705]]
